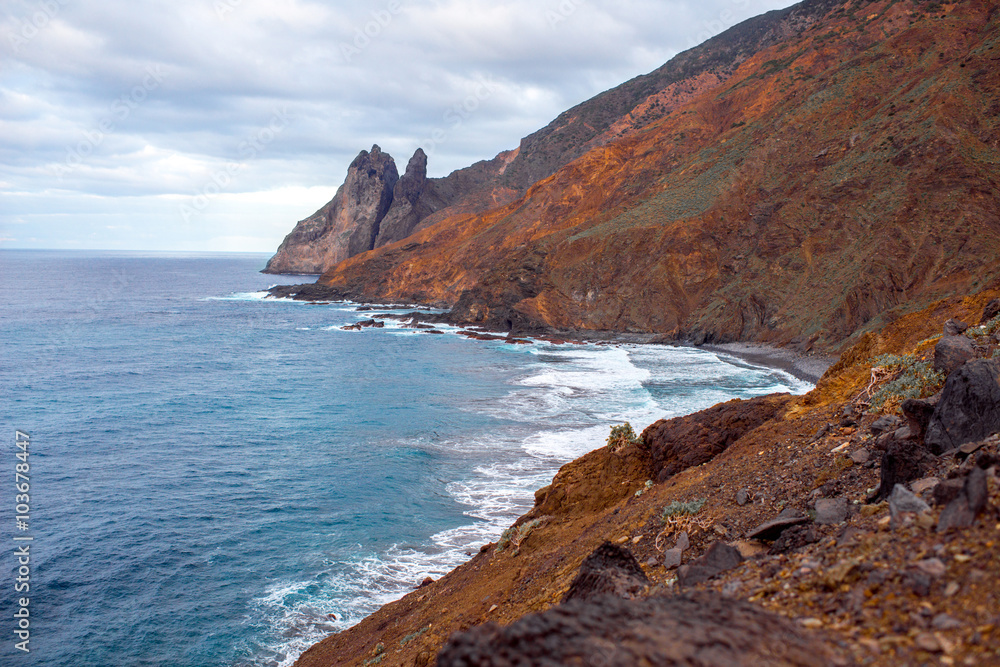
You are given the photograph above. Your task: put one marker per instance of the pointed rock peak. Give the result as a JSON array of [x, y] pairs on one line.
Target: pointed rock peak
[[417, 166], [376, 150]]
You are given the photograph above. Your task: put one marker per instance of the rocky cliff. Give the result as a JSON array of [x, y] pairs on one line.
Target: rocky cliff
[[609, 116], [839, 177]]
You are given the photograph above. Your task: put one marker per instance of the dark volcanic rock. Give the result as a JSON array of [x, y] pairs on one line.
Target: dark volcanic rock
[[903, 461], [951, 352], [774, 528], [719, 558], [413, 198], [885, 424], [918, 413], [691, 629], [955, 328], [795, 537], [611, 570], [962, 511], [683, 442], [991, 310], [969, 408]]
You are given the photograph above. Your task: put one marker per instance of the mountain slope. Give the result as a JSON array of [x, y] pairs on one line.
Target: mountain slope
[[613, 114], [845, 171]]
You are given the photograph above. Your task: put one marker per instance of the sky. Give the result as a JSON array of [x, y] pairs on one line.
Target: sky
[[215, 125]]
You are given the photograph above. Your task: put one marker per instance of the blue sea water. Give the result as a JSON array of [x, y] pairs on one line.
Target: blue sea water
[[222, 479]]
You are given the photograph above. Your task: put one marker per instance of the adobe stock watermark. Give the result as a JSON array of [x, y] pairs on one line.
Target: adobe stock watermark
[[456, 115], [562, 12], [363, 36], [726, 19], [28, 27], [247, 150], [120, 110]]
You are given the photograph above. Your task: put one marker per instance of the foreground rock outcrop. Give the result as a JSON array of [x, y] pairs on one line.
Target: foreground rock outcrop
[[697, 629]]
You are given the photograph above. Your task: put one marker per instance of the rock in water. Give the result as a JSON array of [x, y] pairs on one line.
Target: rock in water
[[969, 408], [691, 629], [610, 569], [347, 225]]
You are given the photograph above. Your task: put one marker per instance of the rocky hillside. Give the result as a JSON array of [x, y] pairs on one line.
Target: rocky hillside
[[825, 529], [838, 177], [335, 231]]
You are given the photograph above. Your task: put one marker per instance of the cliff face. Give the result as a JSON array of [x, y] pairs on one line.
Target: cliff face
[[611, 115], [844, 173]]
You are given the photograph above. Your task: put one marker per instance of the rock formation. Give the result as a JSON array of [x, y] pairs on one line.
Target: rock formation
[[346, 226]]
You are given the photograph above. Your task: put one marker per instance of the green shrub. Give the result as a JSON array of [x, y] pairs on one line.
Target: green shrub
[[678, 508], [646, 487], [516, 534], [622, 436], [909, 378]]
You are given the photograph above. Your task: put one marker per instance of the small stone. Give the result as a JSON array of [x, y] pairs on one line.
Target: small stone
[[742, 496], [861, 456], [903, 500], [683, 542], [925, 641], [672, 558], [951, 589], [920, 582], [932, 566], [652, 562], [811, 623], [831, 511], [426, 582], [947, 491], [945, 622]]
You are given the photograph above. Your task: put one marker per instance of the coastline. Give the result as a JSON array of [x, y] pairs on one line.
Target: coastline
[[809, 367]]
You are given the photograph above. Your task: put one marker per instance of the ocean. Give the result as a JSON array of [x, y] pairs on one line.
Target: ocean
[[218, 478]]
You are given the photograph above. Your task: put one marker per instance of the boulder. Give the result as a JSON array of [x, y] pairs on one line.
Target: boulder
[[951, 352], [955, 327], [686, 629], [969, 408], [608, 570], [772, 529]]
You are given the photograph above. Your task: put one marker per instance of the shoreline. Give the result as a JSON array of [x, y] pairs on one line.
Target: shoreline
[[804, 367]]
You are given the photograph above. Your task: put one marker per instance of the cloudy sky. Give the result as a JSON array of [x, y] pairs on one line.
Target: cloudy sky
[[217, 124]]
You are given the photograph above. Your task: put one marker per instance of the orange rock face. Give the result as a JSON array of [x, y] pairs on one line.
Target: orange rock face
[[834, 179]]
